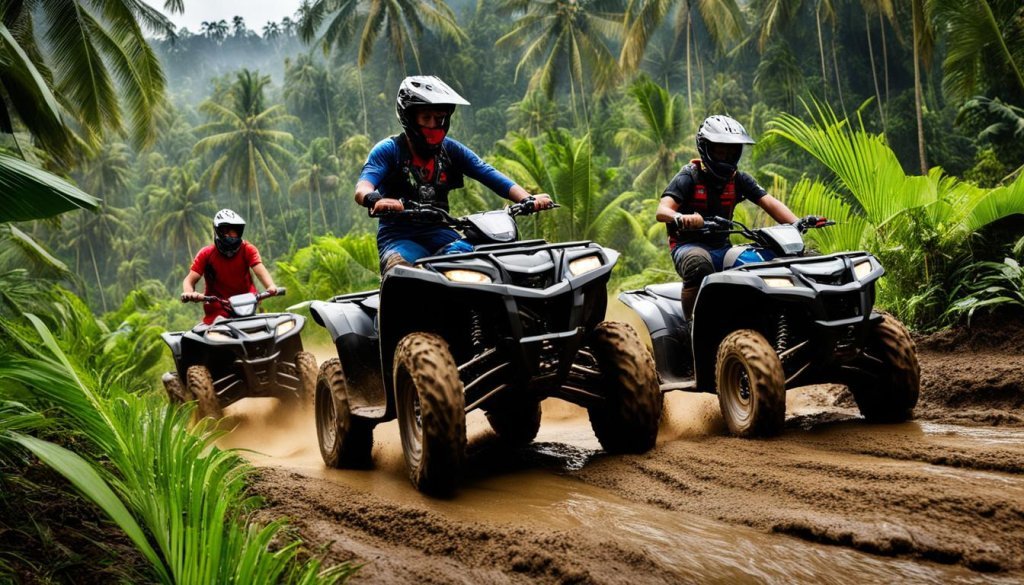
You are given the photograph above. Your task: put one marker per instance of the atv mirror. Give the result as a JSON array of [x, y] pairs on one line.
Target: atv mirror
[[243, 305]]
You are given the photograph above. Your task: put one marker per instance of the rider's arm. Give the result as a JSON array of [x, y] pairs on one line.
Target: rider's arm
[[263, 274], [188, 286], [542, 200], [382, 158], [672, 199], [776, 209]]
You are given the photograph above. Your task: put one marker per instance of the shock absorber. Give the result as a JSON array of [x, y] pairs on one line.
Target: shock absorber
[[476, 331], [782, 334]]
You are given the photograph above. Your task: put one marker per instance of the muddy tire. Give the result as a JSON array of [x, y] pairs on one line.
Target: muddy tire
[[627, 420], [751, 385], [345, 441], [891, 394], [176, 393], [431, 412], [199, 383], [516, 422], [306, 372]]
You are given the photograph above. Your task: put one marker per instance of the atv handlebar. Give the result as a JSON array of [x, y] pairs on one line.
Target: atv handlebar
[[426, 213], [210, 299], [716, 224]]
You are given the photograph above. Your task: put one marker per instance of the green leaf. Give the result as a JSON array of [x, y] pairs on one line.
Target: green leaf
[[84, 477], [28, 192]]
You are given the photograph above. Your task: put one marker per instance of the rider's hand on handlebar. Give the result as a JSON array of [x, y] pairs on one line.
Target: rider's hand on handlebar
[[688, 221], [811, 221], [542, 201], [387, 205], [192, 297]]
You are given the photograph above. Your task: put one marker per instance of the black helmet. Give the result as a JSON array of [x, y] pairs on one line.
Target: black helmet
[[424, 90], [226, 218], [721, 130]]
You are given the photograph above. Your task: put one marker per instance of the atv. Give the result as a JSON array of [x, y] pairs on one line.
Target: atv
[[248, 354], [500, 329], [776, 318]]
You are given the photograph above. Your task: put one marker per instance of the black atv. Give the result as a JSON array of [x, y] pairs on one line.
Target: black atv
[[246, 355], [776, 318], [500, 328]]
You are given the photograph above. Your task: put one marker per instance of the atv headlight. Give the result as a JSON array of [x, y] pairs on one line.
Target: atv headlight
[[862, 269], [583, 265], [467, 276], [214, 335], [778, 282], [285, 327]]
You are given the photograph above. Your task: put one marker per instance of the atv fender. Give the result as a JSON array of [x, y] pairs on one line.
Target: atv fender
[[663, 316], [356, 341]]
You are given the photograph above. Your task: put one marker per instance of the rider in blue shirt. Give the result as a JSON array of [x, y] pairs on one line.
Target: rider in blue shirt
[[423, 165]]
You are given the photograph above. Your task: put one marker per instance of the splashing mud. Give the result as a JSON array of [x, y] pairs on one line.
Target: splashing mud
[[832, 500]]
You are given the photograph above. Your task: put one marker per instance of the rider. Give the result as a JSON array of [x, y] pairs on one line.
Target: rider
[[706, 187], [225, 266], [422, 165]]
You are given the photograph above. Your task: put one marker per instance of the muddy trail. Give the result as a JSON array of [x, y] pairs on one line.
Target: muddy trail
[[833, 500]]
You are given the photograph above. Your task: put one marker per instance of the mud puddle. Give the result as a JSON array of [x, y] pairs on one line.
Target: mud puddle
[[813, 506]]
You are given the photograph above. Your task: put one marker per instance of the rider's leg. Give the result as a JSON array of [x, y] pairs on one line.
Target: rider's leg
[[693, 262], [443, 240], [399, 253]]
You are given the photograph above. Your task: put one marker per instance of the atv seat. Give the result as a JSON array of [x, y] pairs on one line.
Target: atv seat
[[672, 291]]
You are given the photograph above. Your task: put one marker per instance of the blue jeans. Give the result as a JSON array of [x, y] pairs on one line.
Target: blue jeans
[[414, 241]]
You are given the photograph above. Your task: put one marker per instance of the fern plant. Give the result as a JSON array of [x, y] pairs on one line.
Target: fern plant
[[990, 285]]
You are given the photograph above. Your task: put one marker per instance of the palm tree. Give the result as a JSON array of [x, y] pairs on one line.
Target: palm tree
[[238, 28], [564, 168], [565, 37], [271, 30], [308, 92], [317, 168], [722, 19], [983, 46], [216, 30], [922, 41], [655, 145], [108, 173], [403, 22], [182, 214], [90, 63], [244, 142], [533, 114]]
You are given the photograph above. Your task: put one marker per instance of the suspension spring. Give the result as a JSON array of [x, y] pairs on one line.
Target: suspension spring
[[476, 331], [782, 334]]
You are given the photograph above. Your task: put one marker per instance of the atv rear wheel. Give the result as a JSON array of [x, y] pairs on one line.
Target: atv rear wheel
[[345, 441], [751, 385], [516, 422], [199, 383], [627, 420], [306, 372], [176, 393], [431, 412], [890, 394]]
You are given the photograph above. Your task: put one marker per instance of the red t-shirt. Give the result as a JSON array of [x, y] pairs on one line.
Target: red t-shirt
[[225, 276]]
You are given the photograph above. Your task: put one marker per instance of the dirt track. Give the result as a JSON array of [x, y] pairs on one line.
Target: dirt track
[[940, 499]]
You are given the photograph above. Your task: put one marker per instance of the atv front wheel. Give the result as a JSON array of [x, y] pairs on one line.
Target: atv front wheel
[[199, 383], [627, 420], [431, 412], [751, 385], [306, 372], [176, 393], [890, 393], [516, 422], [345, 441]]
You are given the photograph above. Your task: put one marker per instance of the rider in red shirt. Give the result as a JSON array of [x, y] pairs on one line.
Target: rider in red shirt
[[225, 265]]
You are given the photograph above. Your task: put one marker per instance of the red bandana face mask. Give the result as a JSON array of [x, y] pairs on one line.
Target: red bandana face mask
[[433, 136]]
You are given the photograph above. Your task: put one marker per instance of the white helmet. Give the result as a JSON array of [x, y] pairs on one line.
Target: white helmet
[[227, 245]]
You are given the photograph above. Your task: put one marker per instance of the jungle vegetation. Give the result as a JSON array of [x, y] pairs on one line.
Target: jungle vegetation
[[120, 136]]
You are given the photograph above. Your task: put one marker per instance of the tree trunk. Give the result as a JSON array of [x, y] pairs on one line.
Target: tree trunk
[[96, 271], [323, 212], [874, 71], [839, 80], [821, 50], [259, 201], [689, 76], [917, 89], [885, 55]]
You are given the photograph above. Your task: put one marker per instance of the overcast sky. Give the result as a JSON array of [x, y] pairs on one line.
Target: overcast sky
[[255, 12]]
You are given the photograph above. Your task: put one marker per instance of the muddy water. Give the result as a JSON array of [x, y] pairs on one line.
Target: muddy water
[[540, 487]]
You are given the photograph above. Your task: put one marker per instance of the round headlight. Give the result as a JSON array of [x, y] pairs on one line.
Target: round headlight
[[583, 265], [467, 276]]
